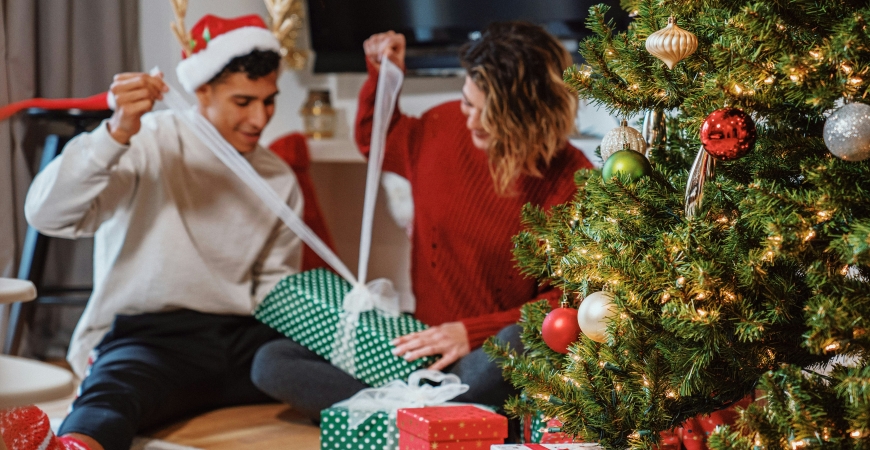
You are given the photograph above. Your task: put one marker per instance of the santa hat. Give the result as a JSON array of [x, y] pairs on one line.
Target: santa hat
[[215, 41]]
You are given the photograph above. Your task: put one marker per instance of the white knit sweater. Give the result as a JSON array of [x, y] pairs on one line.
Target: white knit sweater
[[173, 227]]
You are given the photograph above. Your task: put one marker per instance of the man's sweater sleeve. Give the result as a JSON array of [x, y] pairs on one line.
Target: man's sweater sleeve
[[80, 188]]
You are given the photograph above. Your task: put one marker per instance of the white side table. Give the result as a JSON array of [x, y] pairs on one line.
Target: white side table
[[25, 381]]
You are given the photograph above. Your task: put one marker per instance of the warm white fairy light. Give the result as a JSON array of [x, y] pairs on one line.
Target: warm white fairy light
[[681, 281], [670, 394], [701, 312], [846, 68], [845, 270], [832, 347], [811, 234], [824, 215], [855, 81], [769, 80], [665, 297]]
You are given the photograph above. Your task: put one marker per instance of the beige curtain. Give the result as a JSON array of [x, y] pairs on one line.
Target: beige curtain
[[53, 49]]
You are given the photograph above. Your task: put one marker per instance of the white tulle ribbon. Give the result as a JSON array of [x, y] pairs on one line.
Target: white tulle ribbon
[[398, 394], [379, 294]]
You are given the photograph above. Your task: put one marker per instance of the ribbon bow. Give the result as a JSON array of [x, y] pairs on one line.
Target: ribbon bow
[[397, 395]]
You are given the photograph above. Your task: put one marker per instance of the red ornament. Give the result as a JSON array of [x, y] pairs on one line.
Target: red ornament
[[560, 329], [728, 133]]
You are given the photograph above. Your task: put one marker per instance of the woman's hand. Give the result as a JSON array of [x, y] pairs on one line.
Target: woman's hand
[[390, 45], [450, 340]]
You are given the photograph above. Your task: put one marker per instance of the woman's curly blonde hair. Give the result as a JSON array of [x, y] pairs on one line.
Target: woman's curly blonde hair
[[529, 110]]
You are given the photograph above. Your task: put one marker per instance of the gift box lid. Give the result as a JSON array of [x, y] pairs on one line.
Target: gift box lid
[[452, 423]]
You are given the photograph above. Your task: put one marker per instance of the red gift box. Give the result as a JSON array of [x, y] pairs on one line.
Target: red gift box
[[557, 437], [449, 428]]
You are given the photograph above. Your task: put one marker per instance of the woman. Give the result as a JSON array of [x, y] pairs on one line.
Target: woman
[[472, 165]]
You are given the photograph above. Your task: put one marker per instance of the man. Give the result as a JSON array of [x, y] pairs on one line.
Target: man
[[183, 249]]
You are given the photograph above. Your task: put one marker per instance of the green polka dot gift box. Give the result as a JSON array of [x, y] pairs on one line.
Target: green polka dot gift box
[[306, 307], [375, 433]]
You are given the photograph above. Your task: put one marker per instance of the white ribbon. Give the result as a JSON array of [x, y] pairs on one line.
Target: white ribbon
[[378, 294], [398, 394]]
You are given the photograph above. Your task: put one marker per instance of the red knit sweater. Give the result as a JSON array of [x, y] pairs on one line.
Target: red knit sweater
[[462, 267]]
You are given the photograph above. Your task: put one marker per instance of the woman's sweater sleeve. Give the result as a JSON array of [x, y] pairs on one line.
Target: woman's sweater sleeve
[[482, 327]]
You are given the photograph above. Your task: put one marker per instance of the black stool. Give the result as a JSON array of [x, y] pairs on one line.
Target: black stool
[[36, 244]]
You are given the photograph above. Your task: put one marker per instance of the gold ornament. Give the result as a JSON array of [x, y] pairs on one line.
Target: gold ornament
[[622, 137], [287, 18], [671, 44], [593, 314]]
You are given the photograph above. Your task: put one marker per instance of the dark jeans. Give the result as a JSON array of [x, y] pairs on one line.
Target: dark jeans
[[297, 376], [153, 369]]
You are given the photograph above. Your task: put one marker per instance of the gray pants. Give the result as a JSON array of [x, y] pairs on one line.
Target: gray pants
[[297, 376]]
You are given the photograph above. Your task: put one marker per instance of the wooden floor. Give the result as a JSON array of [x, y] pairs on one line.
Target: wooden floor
[[258, 427], [245, 427]]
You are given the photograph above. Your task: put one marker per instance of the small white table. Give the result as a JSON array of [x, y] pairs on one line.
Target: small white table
[[26, 381]]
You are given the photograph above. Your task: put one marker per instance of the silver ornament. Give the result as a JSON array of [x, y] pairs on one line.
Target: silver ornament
[[702, 170], [621, 138], [847, 132], [593, 313], [654, 130]]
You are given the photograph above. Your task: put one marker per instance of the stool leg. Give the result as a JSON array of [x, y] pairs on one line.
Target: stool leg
[[32, 266]]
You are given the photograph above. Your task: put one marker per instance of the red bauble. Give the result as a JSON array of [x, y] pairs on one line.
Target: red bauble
[[560, 329], [728, 133]]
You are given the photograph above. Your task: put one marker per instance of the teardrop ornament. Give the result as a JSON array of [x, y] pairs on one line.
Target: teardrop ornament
[[671, 44]]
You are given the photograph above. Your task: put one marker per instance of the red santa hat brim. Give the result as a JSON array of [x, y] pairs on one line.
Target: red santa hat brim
[[200, 67]]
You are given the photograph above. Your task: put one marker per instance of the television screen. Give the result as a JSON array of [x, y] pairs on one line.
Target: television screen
[[435, 29]]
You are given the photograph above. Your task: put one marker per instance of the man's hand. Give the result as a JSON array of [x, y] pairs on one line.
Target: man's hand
[[450, 340], [390, 45], [135, 95]]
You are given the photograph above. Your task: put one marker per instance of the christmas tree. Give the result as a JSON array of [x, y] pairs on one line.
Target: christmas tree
[[733, 267]]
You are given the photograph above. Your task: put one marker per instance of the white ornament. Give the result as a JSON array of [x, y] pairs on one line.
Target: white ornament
[[593, 313], [671, 44], [847, 132], [621, 138]]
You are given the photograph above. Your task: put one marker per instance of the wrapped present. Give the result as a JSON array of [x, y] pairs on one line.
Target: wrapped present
[[450, 428], [368, 419], [375, 433], [533, 427], [575, 446], [308, 308], [552, 433]]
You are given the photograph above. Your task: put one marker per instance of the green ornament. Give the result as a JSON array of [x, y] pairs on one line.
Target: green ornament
[[628, 162]]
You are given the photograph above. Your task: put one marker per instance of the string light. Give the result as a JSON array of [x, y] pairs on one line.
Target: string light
[[846, 68], [811, 234], [856, 434], [681, 281], [824, 215], [855, 80], [665, 297], [832, 347], [670, 394], [769, 80], [845, 270]]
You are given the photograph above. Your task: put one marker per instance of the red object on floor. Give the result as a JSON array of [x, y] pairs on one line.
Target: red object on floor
[[93, 103], [28, 428], [558, 437], [293, 149]]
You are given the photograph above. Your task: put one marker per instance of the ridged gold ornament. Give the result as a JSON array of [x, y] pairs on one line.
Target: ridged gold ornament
[[622, 137], [671, 44]]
